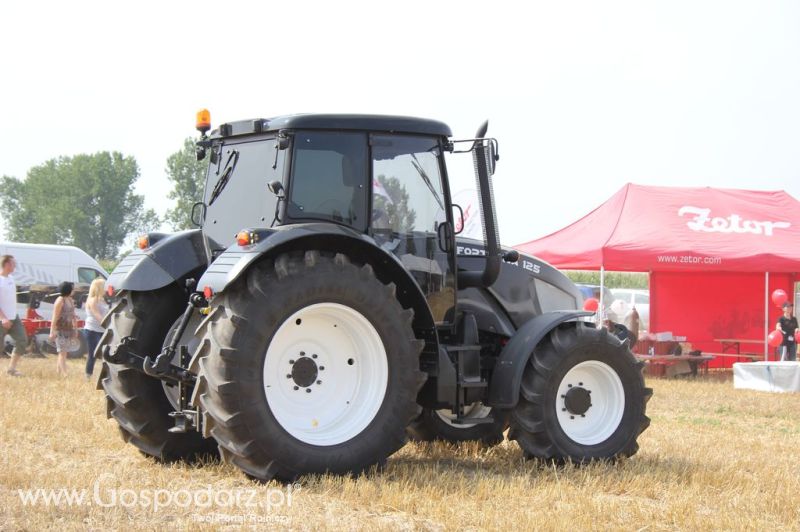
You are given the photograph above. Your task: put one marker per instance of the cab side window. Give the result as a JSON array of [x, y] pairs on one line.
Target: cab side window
[[329, 178]]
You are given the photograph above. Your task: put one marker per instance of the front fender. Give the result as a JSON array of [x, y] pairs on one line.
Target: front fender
[[507, 375], [169, 259], [235, 260]]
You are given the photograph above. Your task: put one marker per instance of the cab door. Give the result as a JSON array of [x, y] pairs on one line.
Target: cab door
[[409, 215]]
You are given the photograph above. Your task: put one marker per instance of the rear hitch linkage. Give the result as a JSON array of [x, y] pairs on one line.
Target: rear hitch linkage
[[160, 367], [126, 354]]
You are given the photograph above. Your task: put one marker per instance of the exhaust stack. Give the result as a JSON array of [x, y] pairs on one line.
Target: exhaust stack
[[484, 157]]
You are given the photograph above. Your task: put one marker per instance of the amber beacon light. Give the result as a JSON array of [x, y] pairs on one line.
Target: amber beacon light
[[203, 122]]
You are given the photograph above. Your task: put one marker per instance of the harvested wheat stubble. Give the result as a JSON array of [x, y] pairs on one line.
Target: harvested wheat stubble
[[713, 458]]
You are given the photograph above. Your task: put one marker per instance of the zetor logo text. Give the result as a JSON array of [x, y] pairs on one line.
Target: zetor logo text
[[734, 223]]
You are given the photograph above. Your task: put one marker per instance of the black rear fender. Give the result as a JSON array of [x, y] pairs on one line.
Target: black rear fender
[[170, 258], [235, 260]]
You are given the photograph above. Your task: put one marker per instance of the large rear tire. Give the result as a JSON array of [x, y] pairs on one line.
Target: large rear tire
[[582, 398], [308, 365], [137, 401]]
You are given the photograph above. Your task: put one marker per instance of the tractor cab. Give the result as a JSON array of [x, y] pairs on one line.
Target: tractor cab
[[382, 177]]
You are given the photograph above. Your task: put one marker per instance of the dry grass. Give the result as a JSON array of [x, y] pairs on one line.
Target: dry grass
[[713, 458]]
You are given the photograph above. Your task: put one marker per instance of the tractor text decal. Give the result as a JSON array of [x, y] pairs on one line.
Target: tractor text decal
[[479, 252]]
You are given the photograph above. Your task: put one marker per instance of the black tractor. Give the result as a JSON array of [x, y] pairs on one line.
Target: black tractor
[[325, 310]]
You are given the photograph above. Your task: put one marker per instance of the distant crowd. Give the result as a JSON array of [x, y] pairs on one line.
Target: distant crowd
[[64, 329]]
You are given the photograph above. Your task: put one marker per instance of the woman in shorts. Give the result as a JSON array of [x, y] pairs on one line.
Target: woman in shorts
[[63, 328]]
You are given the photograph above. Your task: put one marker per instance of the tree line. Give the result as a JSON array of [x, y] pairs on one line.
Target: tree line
[[88, 201]]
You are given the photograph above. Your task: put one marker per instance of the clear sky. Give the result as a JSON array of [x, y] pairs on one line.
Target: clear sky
[[583, 96]]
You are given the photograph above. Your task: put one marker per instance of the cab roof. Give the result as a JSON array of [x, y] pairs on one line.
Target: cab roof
[[377, 123]]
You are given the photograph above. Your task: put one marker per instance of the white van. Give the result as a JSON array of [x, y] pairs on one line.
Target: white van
[[51, 265]]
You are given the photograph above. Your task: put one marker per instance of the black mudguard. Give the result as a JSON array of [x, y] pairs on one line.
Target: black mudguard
[[323, 237], [507, 374], [170, 258]]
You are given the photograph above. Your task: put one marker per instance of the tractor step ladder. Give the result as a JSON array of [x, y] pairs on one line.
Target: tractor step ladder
[[468, 375]]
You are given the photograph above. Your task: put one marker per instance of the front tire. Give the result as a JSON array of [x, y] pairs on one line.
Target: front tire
[[308, 365], [582, 398]]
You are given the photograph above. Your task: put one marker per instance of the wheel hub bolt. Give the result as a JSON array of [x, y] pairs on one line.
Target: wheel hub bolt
[[308, 390], [296, 387], [291, 362], [288, 375], [314, 356], [319, 382], [322, 368]]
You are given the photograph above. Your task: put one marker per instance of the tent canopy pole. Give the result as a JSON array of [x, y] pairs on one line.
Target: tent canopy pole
[[602, 304], [766, 314]]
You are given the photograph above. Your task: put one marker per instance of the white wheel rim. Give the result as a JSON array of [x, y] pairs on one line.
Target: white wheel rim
[[475, 410], [607, 398], [339, 387]]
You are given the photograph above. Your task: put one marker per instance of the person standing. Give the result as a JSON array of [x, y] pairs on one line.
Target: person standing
[[787, 324], [96, 309], [632, 323], [12, 325], [617, 329], [63, 329]]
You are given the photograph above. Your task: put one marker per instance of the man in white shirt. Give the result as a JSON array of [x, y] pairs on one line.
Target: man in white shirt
[[9, 319]]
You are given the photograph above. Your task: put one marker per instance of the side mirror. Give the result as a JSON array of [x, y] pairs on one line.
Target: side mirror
[[458, 220], [276, 187], [198, 213]]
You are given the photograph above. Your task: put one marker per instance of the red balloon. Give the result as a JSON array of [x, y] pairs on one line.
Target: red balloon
[[591, 304], [779, 297], [775, 338]]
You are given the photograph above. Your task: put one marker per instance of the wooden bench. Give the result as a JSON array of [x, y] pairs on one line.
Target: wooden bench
[[659, 363]]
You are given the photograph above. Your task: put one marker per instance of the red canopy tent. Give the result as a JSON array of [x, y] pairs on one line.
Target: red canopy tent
[[714, 255]]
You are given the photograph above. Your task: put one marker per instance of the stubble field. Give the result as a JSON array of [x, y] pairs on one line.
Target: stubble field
[[713, 458]]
